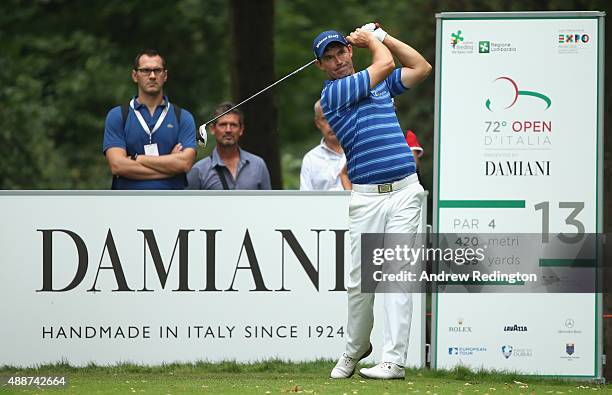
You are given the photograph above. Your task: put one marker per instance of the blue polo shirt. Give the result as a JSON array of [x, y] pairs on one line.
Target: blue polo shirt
[[367, 127], [133, 139]]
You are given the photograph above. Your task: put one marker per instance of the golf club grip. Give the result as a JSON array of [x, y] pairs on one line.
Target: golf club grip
[[377, 24]]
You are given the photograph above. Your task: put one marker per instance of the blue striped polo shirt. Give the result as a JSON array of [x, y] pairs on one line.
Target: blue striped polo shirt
[[367, 128]]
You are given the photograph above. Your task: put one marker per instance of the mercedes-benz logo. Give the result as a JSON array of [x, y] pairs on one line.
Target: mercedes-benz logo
[[569, 323]]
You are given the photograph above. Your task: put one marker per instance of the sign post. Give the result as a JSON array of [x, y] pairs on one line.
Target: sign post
[[519, 149]]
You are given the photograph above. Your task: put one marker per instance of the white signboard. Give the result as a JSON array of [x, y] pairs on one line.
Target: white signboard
[[518, 149], [162, 277]]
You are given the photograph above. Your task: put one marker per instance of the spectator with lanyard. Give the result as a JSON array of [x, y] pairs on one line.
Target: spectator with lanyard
[[149, 144]]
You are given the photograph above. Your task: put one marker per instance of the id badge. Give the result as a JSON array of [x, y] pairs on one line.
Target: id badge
[[151, 149]]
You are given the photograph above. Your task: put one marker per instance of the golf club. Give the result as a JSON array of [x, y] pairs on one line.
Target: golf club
[[203, 138]]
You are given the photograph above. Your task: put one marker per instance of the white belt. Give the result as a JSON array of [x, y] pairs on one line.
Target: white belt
[[386, 188]]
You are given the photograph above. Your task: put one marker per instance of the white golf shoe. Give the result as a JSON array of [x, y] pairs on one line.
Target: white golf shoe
[[383, 371], [346, 365]]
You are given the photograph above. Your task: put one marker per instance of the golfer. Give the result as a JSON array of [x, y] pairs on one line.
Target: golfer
[[386, 195]]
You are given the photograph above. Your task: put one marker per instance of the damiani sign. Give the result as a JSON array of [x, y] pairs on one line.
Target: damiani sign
[[180, 257], [157, 277]]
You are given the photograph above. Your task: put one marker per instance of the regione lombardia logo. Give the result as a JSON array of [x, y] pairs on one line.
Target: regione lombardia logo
[[507, 92], [484, 46]]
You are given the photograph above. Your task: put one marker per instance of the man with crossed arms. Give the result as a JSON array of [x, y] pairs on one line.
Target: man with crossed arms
[[386, 195], [154, 146]]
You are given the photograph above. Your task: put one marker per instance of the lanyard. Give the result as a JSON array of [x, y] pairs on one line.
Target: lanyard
[[144, 125]]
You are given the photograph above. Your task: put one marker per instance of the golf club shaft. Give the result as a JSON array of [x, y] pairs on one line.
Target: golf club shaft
[[261, 91]]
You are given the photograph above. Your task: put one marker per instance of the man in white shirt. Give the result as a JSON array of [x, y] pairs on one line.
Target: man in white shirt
[[322, 165]]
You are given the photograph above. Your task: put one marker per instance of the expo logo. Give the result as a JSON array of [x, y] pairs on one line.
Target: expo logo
[[573, 38], [509, 93]]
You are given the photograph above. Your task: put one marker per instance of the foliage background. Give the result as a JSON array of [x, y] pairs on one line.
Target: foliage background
[[65, 63]]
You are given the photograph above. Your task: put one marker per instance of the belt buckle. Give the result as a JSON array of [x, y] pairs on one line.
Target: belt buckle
[[385, 188]]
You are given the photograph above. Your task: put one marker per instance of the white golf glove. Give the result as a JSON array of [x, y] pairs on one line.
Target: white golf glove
[[379, 33]]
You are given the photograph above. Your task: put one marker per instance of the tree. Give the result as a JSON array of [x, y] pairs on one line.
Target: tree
[[252, 32]]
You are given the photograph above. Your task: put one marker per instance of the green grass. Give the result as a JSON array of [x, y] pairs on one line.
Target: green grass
[[278, 377]]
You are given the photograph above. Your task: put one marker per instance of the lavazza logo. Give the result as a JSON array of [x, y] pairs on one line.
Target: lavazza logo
[[515, 328]]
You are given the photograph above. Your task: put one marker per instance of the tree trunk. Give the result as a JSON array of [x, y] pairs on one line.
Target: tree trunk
[[252, 69]]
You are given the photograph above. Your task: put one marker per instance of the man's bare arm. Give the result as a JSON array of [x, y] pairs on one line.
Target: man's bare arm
[[415, 155], [382, 59], [414, 66], [178, 161], [344, 179]]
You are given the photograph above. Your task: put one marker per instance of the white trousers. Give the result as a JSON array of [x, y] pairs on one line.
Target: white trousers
[[371, 212]]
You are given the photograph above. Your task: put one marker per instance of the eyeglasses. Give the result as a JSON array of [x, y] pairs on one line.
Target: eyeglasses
[[157, 71]]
